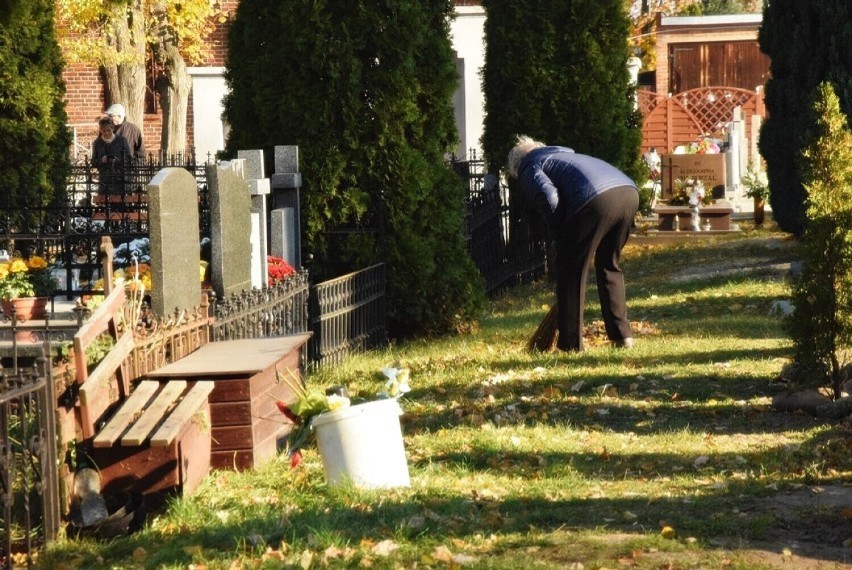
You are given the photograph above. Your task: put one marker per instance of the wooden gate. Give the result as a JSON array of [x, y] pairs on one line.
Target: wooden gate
[[669, 121]]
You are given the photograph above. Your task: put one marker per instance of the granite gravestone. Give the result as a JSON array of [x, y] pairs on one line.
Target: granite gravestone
[[230, 225], [175, 251]]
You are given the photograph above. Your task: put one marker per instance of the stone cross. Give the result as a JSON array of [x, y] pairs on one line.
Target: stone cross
[[175, 250], [258, 190]]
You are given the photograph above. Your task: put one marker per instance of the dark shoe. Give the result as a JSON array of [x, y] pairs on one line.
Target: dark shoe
[[623, 343]]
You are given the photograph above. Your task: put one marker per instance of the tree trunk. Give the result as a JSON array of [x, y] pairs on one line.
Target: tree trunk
[[126, 80], [174, 86]]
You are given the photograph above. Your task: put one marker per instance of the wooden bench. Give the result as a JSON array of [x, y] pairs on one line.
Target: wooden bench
[[132, 206], [152, 438], [158, 440]]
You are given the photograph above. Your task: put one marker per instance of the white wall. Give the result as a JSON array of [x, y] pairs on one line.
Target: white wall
[[208, 89], [466, 32]]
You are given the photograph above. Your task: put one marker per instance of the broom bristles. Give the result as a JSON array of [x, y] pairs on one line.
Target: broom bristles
[[544, 337]]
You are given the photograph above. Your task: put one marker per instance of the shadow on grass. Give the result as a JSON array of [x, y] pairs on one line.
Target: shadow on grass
[[731, 512]]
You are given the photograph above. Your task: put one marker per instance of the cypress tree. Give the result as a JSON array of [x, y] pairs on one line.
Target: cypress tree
[[821, 325], [808, 43], [365, 89], [34, 137], [557, 71]]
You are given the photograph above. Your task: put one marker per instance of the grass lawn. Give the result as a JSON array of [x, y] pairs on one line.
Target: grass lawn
[[664, 456]]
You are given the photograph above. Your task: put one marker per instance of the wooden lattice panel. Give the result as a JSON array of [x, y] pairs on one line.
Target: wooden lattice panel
[[679, 119]]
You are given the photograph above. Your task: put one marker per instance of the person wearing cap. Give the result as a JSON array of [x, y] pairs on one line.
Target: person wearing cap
[[128, 130], [110, 155], [589, 206]]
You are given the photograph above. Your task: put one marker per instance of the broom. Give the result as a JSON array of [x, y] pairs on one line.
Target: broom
[[544, 337]]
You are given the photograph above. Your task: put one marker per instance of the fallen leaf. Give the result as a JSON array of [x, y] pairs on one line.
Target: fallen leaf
[[443, 554], [385, 547], [668, 532]]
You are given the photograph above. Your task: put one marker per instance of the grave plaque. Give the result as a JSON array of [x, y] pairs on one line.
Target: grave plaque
[[709, 168]]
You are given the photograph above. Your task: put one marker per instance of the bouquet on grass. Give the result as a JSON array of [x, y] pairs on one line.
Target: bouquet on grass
[[310, 402]]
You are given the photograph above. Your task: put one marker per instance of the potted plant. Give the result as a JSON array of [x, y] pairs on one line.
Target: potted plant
[[757, 188], [25, 285]]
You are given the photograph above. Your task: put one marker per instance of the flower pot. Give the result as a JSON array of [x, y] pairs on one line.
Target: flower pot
[[26, 308], [759, 207]]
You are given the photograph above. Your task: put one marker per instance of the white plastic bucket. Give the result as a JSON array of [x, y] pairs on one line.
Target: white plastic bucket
[[362, 444]]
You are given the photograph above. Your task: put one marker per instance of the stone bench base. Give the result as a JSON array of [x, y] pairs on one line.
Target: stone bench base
[[719, 217]]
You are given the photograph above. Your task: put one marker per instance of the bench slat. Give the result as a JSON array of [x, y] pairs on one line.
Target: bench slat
[[191, 403], [119, 423], [154, 414]]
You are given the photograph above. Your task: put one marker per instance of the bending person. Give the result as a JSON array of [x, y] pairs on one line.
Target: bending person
[[590, 208]]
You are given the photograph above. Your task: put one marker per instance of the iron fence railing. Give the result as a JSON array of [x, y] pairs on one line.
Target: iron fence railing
[[29, 484], [348, 315], [275, 311], [505, 248], [68, 228]]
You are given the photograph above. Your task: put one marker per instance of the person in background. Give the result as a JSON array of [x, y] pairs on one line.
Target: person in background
[[128, 130], [590, 207], [110, 155]]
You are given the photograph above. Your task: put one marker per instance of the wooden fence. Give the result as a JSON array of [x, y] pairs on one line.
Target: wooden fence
[[673, 120]]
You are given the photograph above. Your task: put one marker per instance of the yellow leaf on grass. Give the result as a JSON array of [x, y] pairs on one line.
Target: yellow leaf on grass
[[668, 532], [443, 554], [385, 547]]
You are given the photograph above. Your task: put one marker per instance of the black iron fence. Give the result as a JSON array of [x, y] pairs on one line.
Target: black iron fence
[[348, 315], [68, 227], [29, 484], [505, 246]]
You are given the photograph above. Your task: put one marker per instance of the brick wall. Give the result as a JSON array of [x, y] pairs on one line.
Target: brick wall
[[85, 92]]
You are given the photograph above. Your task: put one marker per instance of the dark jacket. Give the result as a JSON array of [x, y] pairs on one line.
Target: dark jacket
[[134, 138], [561, 181], [117, 148], [111, 172]]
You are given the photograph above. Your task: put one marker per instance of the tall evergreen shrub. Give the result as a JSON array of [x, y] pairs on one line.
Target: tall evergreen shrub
[[34, 137], [557, 71], [808, 43], [365, 90], [821, 324]]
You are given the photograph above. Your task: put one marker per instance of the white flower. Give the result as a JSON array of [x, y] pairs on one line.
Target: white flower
[[336, 402], [397, 383]]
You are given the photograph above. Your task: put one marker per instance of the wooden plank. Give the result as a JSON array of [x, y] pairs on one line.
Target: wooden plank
[[154, 414], [230, 413], [237, 460], [191, 403], [99, 321], [107, 367], [119, 423], [243, 356], [93, 388], [232, 437]]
